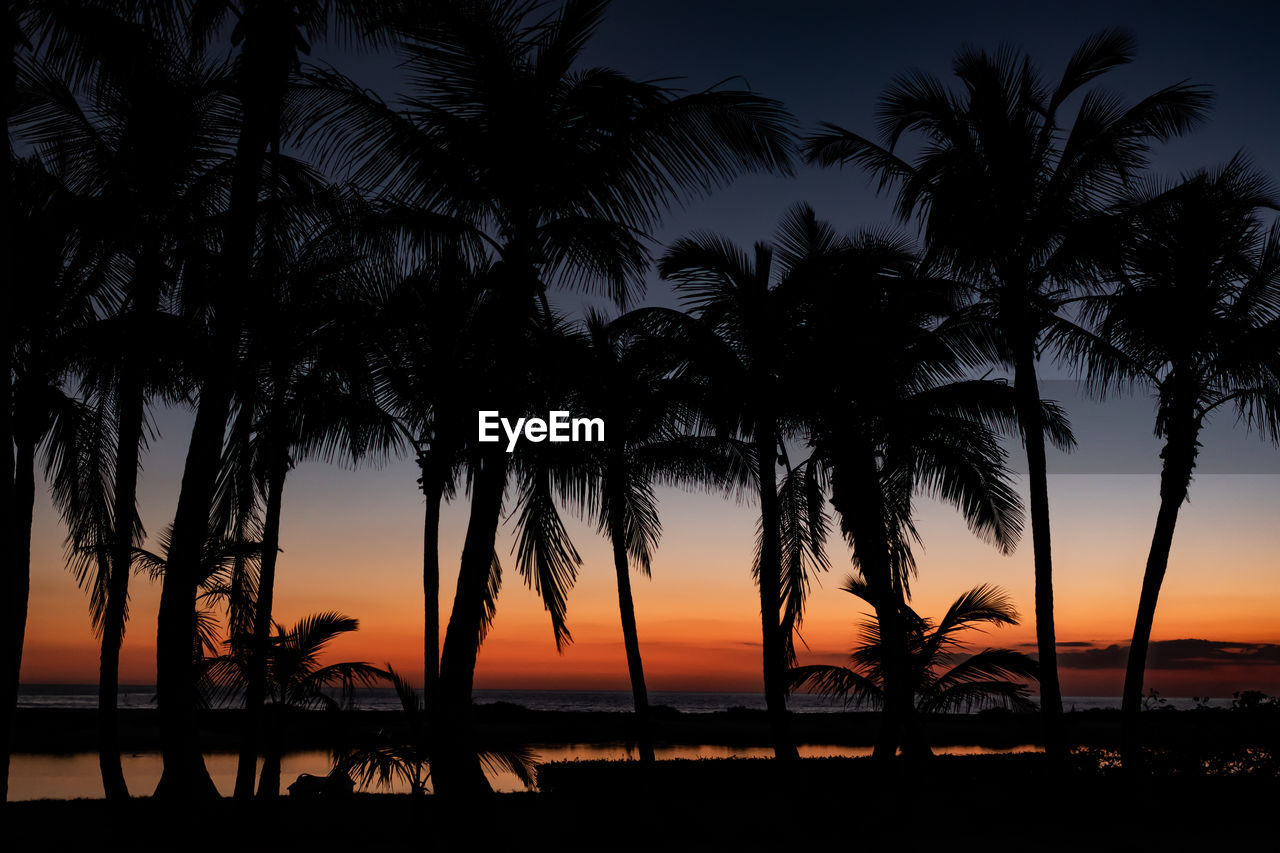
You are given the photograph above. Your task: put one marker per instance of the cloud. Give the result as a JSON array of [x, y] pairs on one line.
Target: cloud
[[1176, 654]]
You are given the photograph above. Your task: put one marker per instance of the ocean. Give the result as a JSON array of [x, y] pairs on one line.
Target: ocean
[[384, 698]]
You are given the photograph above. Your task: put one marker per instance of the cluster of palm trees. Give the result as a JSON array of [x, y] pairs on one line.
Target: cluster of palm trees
[[195, 216]]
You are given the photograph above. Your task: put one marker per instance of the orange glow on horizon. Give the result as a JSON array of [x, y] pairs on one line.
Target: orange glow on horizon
[[356, 550]]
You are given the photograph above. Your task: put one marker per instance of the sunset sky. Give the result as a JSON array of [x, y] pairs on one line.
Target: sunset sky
[[352, 539]]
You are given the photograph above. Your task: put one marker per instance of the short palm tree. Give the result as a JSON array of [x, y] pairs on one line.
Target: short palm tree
[[1196, 319], [404, 754], [1010, 200], [941, 678], [296, 681]]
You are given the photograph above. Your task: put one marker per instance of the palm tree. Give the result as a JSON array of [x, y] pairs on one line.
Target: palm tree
[[558, 171], [405, 754], [1010, 199], [939, 680], [1195, 318], [746, 311], [915, 424], [144, 151], [625, 378], [58, 281], [428, 362], [297, 681], [271, 35], [306, 389]]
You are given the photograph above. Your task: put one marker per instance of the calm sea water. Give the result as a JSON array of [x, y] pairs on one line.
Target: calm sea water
[[384, 698], [75, 776], [38, 776]]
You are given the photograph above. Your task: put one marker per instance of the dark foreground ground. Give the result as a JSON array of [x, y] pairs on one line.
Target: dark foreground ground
[[962, 803]]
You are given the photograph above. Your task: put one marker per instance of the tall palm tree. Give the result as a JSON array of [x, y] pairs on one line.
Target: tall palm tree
[[746, 311], [306, 394], [428, 362], [1010, 196], [271, 35], [58, 281], [1196, 319], [625, 378], [143, 148], [559, 170], [938, 683], [913, 425]]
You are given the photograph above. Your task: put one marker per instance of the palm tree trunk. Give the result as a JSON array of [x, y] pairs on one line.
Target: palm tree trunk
[[774, 651], [857, 495], [185, 775], [893, 715], [18, 577], [630, 637], [1179, 456], [257, 688], [433, 491], [269, 782], [1031, 418], [455, 764], [130, 405]]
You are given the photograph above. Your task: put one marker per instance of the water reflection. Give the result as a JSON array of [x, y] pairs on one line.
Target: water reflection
[[35, 777]]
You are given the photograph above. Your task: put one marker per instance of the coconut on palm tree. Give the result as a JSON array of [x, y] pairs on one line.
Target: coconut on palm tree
[[1195, 319], [1010, 184], [941, 678]]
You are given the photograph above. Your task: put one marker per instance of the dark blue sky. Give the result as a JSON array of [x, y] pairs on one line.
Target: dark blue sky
[[829, 61]]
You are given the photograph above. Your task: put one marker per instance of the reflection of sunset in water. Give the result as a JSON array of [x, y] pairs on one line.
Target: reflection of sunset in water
[[34, 777]]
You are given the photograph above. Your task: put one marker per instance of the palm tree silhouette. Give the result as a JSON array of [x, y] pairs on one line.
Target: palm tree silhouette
[[428, 363], [938, 682], [558, 171], [144, 154], [296, 681], [915, 425], [307, 392], [1195, 318], [50, 315], [626, 377], [746, 308], [404, 755], [271, 36], [1010, 199]]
